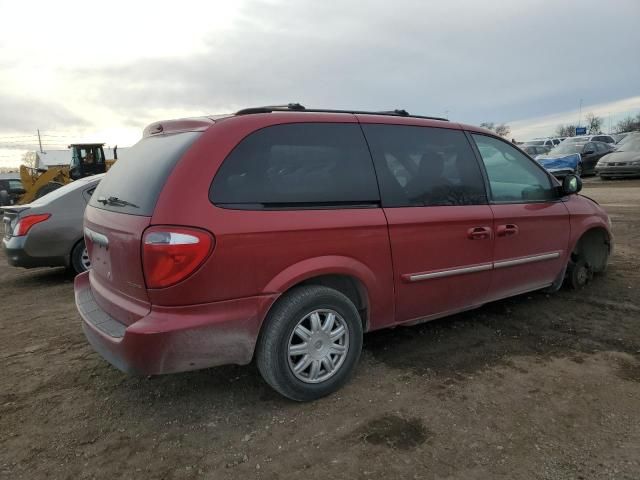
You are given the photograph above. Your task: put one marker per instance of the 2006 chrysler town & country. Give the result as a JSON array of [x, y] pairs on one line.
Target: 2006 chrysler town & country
[[285, 233]]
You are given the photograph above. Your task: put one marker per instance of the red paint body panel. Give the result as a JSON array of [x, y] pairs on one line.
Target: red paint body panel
[[426, 239], [543, 228], [177, 339], [214, 316], [586, 215], [116, 273]]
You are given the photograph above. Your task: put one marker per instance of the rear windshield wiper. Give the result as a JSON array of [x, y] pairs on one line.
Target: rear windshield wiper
[[116, 202]]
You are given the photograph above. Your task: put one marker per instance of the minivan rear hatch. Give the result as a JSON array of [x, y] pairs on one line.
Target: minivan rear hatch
[[120, 210]]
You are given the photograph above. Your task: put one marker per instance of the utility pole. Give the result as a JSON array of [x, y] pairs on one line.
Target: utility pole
[[40, 142], [580, 115]]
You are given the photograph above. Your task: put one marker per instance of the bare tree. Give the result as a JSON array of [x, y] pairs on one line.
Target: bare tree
[[594, 124], [566, 130], [503, 130], [30, 159], [628, 124]]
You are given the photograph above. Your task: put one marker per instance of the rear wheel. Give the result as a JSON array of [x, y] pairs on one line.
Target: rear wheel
[[80, 261], [310, 343]]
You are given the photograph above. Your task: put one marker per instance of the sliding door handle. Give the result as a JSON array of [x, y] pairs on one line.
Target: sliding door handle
[[479, 233], [507, 230]]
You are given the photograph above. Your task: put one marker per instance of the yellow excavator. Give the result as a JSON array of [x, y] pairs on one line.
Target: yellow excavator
[[86, 159]]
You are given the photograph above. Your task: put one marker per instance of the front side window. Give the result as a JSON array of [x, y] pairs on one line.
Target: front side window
[[513, 177], [304, 165], [424, 166]]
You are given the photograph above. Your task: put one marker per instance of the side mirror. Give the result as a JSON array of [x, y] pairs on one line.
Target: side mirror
[[571, 184]]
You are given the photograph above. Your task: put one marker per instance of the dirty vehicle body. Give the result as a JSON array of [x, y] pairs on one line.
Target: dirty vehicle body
[[623, 162], [283, 234], [574, 158], [87, 159], [48, 232]]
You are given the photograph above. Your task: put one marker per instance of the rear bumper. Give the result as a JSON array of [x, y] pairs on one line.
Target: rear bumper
[[17, 255], [174, 339]]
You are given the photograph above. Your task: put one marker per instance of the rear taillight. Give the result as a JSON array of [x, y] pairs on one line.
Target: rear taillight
[[25, 223], [171, 254]]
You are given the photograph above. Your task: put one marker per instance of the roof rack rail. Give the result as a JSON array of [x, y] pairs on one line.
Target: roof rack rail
[[297, 107]]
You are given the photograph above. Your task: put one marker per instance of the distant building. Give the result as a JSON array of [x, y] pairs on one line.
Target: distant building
[[50, 158]]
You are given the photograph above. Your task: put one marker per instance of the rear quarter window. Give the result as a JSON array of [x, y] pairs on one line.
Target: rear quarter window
[[305, 165], [138, 178]]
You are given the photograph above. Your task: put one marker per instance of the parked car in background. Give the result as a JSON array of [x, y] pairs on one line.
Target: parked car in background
[[623, 162], [547, 142], [269, 234], [592, 138], [48, 232], [10, 188], [574, 157], [534, 150]]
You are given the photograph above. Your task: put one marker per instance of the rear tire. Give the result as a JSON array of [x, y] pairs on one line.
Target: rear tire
[[331, 351], [79, 258]]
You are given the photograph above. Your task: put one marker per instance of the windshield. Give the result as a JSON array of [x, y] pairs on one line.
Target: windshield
[[15, 184], [567, 148], [632, 144], [628, 138]]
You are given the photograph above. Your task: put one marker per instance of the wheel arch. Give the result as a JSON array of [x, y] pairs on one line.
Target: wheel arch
[[589, 246], [344, 274]]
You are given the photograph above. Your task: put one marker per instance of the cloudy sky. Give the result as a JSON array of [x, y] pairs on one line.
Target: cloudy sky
[[83, 71]]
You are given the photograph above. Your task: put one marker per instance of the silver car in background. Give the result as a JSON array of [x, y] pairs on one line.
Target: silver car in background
[[48, 232]]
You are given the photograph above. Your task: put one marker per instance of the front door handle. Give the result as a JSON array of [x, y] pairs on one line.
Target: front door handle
[[507, 230], [479, 233]]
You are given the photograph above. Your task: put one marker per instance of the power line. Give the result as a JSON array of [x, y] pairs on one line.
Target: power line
[[12, 137]]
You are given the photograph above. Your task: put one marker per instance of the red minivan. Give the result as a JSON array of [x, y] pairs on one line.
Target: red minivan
[[284, 233]]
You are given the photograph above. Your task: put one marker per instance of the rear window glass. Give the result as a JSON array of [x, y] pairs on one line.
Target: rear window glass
[[135, 181], [303, 165], [67, 189]]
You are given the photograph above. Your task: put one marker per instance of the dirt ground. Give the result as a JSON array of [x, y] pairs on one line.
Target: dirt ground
[[535, 387]]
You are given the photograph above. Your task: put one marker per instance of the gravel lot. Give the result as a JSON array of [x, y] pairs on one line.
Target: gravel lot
[[539, 386]]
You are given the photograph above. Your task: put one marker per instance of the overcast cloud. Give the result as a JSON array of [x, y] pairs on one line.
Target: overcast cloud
[[478, 61]]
